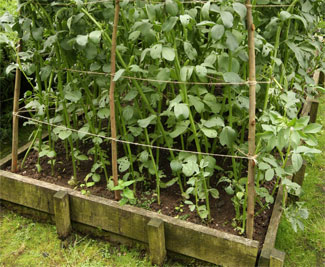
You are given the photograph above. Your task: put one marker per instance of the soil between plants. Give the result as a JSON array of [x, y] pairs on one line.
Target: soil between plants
[[222, 209]]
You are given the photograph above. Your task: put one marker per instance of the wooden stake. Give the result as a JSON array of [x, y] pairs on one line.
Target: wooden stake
[[111, 99], [15, 122], [251, 126]]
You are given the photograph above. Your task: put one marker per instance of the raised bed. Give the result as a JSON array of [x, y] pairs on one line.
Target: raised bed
[[127, 224]]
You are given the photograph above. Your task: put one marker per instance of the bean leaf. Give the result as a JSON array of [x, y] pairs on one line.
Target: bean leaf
[[168, 53], [181, 111]]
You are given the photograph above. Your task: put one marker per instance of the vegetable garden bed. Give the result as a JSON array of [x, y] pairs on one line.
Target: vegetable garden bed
[[128, 224]]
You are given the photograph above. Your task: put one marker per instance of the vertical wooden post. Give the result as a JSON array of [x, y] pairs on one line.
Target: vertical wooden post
[[62, 213], [251, 130], [156, 238], [111, 99], [15, 122], [313, 110], [300, 175]]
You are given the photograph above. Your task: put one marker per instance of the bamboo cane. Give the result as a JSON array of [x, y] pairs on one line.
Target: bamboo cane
[[251, 130], [111, 99], [15, 120]]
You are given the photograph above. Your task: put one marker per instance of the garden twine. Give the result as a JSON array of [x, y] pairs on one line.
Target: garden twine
[[248, 157]]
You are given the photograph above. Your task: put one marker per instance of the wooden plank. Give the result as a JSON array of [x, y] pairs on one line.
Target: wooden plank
[[181, 237], [156, 240], [62, 214], [277, 258], [269, 241]]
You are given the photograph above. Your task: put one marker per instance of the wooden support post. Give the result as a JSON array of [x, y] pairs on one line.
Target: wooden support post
[[276, 258], [156, 237], [300, 175], [313, 110], [15, 122], [62, 214], [251, 125], [112, 101]]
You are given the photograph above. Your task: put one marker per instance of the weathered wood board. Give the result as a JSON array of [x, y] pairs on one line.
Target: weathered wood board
[[131, 222]]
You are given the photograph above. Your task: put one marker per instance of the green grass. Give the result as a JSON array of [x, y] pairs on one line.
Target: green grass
[[25, 243], [307, 248]]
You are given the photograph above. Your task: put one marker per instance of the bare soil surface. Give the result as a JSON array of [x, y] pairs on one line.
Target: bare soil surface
[[222, 209]]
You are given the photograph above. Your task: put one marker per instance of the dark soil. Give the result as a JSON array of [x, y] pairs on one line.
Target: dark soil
[[222, 209]]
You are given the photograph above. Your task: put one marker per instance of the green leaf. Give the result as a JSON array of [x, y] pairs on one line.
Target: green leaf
[[118, 74], [227, 136], [211, 59], [284, 15], [103, 113], [82, 40], [197, 103], [45, 72], [144, 156], [128, 112], [155, 51], [263, 166], [124, 164], [307, 150], [180, 128], [175, 165], [296, 161], [217, 32], [181, 111], [298, 53], [145, 122], [231, 41], [37, 34], [169, 183], [169, 24], [210, 133], [82, 157], [227, 19], [171, 7], [134, 35], [201, 71], [95, 36], [312, 128], [214, 193], [186, 73], [269, 174], [73, 96], [190, 168], [64, 134], [128, 193], [95, 177], [205, 10], [211, 101], [185, 19], [240, 9], [190, 51], [231, 77], [81, 130], [168, 53], [214, 122]]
